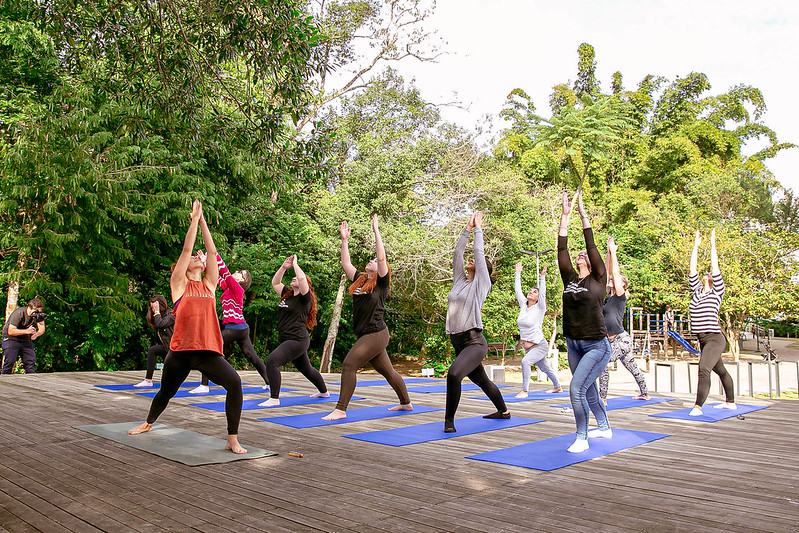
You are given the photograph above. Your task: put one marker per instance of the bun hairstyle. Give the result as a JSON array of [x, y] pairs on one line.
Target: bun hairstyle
[[310, 322], [246, 283], [162, 308], [367, 284]]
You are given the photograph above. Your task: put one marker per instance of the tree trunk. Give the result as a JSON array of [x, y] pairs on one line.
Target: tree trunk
[[12, 301], [733, 334], [332, 331]]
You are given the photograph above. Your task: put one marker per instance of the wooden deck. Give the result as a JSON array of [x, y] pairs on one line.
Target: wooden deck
[[733, 475]]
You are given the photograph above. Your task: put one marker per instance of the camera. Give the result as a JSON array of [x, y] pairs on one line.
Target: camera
[[38, 316]]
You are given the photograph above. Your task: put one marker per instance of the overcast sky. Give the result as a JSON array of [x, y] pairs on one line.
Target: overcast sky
[[496, 45]]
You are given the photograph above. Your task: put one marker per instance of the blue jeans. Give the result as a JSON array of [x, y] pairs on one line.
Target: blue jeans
[[587, 359]]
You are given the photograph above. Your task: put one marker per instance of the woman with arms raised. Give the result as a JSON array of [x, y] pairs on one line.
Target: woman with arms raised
[[532, 308], [465, 324], [296, 313], [621, 343], [369, 291], [584, 326], [704, 309], [197, 341]]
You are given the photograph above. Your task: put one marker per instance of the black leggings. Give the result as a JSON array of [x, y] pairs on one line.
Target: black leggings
[[241, 336], [287, 352], [369, 348], [712, 345], [470, 350], [177, 366], [153, 353]]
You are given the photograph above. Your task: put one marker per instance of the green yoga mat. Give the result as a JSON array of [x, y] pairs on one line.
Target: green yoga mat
[[187, 447]]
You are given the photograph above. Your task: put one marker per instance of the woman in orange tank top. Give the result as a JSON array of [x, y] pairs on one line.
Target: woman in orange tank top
[[197, 341]]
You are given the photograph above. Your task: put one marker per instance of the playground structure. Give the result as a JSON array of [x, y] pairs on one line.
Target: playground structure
[[651, 337]]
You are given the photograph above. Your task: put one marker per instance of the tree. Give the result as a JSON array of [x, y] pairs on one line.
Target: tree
[[133, 109]]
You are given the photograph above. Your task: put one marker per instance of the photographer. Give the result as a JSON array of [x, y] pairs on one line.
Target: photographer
[[23, 326]]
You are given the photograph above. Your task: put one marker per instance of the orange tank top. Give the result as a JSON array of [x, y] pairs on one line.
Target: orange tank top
[[196, 323]]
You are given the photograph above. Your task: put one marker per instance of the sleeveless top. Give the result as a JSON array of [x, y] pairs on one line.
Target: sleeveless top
[[196, 323]]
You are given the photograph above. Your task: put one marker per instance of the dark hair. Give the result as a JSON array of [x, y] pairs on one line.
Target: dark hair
[[246, 283], [490, 267], [162, 308], [35, 303]]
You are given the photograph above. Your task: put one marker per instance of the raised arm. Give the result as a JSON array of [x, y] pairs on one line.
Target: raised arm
[[598, 270], [458, 273], [714, 256], [517, 286], [380, 250], [542, 290], [564, 261], [695, 255], [480, 266], [302, 281], [211, 267], [177, 282], [346, 264], [277, 279], [224, 272], [615, 269]]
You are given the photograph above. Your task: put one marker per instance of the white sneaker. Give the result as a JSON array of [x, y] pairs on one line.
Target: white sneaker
[[320, 395], [730, 405], [265, 387], [600, 433], [143, 384], [696, 411], [200, 389], [578, 446]]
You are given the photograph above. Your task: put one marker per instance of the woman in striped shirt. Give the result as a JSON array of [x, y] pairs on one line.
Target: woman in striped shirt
[[704, 309]]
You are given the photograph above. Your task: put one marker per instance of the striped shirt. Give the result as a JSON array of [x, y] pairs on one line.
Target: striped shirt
[[232, 297], [704, 307]]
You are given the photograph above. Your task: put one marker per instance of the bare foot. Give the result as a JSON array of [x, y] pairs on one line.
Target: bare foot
[[402, 407], [556, 389], [320, 395], [337, 414], [144, 427], [642, 397], [233, 445], [522, 394], [271, 402]]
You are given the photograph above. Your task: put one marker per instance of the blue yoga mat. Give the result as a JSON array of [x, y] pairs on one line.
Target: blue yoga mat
[[443, 388], [622, 402], [312, 420], [551, 454], [375, 383], [435, 430], [249, 405], [214, 392], [129, 386], [531, 396], [709, 413]]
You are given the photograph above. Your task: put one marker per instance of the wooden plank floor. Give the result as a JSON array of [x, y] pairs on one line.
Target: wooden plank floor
[[734, 475]]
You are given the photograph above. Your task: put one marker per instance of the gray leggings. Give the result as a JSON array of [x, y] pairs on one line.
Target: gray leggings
[[537, 355], [621, 349]]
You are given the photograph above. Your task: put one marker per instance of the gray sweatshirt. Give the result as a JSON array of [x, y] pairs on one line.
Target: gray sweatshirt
[[465, 300]]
